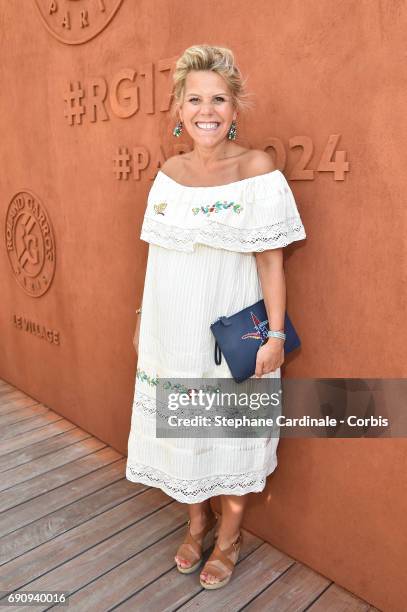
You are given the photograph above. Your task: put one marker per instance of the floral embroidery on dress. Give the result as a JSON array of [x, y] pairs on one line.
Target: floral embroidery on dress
[[142, 375], [217, 207], [160, 208], [153, 381]]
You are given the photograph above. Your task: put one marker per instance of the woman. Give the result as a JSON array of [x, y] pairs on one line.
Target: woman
[[216, 220]]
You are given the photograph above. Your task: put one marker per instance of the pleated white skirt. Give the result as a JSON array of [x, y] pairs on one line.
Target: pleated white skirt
[[184, 292]]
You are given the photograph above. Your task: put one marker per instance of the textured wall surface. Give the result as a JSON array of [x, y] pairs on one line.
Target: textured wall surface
[[85, 124]]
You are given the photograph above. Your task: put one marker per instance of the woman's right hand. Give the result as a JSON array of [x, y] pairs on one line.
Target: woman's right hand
[[137, 333]]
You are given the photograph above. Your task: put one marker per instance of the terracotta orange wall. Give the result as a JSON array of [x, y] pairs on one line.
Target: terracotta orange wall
[[85, 124]]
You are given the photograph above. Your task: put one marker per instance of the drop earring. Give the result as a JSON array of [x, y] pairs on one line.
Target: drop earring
[[177, 131], [232, 131]]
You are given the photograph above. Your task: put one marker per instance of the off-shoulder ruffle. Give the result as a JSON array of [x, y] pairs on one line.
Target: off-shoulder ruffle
[[250, 215]]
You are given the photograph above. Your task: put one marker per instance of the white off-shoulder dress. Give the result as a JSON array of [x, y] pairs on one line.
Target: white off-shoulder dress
[[201, 265]]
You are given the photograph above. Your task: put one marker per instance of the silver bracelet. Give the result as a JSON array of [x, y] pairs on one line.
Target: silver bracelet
[[275, 334]]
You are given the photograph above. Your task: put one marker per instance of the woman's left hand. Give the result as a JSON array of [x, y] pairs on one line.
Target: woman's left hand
[[270, 356]]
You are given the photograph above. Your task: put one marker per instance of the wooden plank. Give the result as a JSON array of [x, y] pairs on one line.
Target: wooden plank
[[84, 508], [251, 576], [142, 549], [12, 406], [72, 482], [51, 461], [172, 589], [49, 445], [5, 391], [293, 591], [24, 412], [123, 564], [36, 422], [32, 437], [335, 598], [11, 394], [76, 528]]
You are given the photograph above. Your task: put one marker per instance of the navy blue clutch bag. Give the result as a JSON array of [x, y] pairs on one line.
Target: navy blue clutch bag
[[240, 336]]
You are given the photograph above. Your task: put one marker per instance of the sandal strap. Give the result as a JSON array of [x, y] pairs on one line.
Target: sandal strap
[[221, 555], [190, 539]]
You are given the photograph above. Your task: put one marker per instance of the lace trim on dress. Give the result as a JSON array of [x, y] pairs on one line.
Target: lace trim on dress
[[272, 236], [145, 403], [194, 491]]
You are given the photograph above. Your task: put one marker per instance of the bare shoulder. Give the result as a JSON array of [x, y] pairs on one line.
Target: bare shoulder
[[259, 162], [175, 166], [171, 165]]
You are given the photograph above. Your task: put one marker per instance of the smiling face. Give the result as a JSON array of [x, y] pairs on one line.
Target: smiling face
[[207, 110]]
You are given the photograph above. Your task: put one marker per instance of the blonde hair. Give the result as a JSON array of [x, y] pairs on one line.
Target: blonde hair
[[207, 57]]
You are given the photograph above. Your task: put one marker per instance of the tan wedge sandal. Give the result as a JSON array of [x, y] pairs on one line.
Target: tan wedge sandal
[[191, 550], [221, 555]]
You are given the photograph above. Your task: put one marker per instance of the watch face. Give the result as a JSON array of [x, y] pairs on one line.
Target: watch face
[[74, 22]]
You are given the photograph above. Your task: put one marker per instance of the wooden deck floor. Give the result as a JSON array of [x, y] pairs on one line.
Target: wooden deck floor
[[70, 521]]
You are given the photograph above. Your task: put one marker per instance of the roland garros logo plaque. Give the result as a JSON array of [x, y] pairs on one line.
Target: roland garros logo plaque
[[74, 22], [30, 243]]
